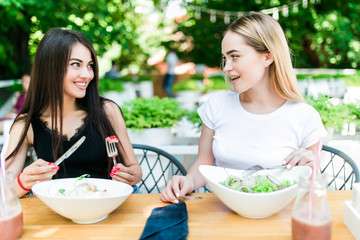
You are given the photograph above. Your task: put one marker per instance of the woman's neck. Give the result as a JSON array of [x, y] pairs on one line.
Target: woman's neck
[[68, 109], [260, 101], [69, 105]]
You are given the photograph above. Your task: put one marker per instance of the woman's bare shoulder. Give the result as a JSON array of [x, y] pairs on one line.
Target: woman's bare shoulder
[[20, 121], [110, 106], [18, 127]]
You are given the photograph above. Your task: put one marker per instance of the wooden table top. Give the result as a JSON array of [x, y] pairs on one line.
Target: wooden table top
[[209, 218]]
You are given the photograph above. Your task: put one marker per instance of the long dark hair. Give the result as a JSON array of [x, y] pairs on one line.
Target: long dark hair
[[46, 88]]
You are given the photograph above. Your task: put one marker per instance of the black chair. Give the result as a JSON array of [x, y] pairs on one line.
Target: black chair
[[339, 169], [157, 167]]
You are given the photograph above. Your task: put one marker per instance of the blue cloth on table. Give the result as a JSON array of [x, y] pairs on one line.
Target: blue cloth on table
[[169, 222]]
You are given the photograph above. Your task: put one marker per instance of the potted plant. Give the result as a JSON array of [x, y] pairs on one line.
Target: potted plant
[[189, 128], [215, 83], [188, 85], [109, 84], [352, 83], [144, 85], [352, 113], [149, 120], [194, 118], [188, 93], [319, 84], [303, 82], [114, 90], [333, 116]]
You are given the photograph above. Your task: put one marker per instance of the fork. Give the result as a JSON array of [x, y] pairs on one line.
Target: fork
[[257, 168], [111, 148], [186, 197]]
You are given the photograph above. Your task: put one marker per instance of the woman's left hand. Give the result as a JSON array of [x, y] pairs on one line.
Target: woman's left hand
[[122, 174], [300, 157]]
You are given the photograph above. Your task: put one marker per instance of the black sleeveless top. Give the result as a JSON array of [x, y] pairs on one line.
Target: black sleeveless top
[[90, 158]]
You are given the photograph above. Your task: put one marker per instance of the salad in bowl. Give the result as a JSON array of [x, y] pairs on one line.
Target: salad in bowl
[[260, 195]]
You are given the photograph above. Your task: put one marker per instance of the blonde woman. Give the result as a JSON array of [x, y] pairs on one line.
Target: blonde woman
[[264, 119]]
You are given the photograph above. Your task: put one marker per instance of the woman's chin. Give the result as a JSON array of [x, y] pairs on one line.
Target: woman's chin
[[239, 90]]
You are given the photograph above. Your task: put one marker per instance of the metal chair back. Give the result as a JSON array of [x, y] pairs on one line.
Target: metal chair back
[[158, 166], [340, 170]]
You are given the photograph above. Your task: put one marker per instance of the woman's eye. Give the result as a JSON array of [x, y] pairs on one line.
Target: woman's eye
[[233, 57], [91, 66], [75, 64]]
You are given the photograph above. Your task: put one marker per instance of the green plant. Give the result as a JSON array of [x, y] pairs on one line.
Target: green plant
[[194, 118], [353, 112], [144, 78], [16, 87], [301, 77], [332, 116], [6, 93], [197, 77], [338, 75], [215, 83], [155, 112], [352, 80], [321, 76], [186, 85], [127, 79], [109, 84], [135, 78]]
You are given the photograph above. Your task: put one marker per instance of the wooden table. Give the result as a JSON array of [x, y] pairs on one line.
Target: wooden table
[[209, 218]]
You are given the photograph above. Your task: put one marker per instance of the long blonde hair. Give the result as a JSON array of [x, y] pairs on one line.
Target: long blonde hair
[[265, 35]]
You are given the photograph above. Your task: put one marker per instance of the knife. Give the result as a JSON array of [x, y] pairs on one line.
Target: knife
[[70, 151]]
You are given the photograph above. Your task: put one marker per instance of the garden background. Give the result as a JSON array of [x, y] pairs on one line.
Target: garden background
[[324, 37]]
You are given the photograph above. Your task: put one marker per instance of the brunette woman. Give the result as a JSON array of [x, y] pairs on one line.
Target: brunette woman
[[62, 105]]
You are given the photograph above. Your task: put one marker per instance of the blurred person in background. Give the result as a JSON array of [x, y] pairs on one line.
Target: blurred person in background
[[20, 100], [21, 97], [171, 61], [113, 72]]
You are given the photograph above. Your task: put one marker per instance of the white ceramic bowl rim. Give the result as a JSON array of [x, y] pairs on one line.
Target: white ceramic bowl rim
[[38, 188], [259, 193], [253, 205]]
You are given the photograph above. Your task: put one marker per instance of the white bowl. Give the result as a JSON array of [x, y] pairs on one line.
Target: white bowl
[[83, 210], [253, 205]]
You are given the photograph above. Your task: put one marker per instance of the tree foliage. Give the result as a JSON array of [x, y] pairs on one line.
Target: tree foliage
[[325, 34], [322, 35], [105, 22]]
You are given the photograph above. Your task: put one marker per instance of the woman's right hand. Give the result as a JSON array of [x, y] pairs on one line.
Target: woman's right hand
[[38, 171], [181, 185], [176, 187]]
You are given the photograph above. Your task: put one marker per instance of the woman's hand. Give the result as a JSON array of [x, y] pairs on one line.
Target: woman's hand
[[300, 157], [123, 174], [38, 171], [181, 185], [178, 186]]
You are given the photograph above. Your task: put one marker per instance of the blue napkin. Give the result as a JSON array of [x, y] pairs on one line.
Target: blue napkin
[[169, 222]]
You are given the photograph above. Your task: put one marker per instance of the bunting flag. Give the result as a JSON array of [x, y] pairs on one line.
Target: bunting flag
[[274, 12]]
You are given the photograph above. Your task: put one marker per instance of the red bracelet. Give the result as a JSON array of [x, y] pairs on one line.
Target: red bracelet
[[22, 187]]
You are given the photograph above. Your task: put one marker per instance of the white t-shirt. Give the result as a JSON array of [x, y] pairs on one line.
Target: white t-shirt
[[243, 139]]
